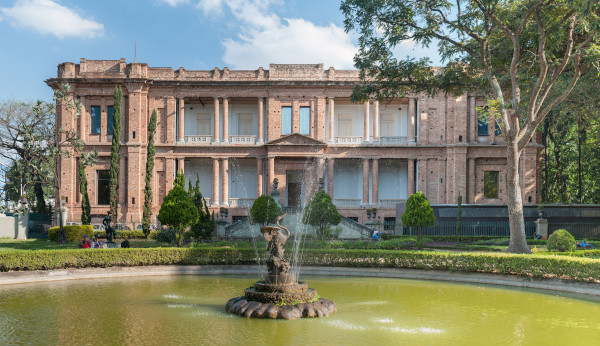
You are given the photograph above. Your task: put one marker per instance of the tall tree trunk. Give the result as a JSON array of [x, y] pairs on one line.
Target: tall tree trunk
[[518, 243], [579, 169], [40, 202]]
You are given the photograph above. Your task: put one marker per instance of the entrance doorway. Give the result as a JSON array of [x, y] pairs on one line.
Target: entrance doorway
[[295, 188]]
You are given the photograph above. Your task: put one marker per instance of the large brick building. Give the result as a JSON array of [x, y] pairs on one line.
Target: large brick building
[[238, 130]]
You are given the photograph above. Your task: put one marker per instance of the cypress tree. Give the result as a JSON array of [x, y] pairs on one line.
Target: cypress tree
[[114, 155], [149, 169], [86, 209]]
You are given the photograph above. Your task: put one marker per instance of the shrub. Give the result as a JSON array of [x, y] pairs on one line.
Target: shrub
[[178, 210], [561, 241], [72, 232], [418, 214], [264, 210], [166, 236], [321, 213]]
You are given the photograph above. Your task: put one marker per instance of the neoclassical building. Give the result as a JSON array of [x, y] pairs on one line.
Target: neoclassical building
[[236, 131]]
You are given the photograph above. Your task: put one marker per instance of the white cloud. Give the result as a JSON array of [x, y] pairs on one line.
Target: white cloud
[[175, 2], [48, 17], [266, 38]]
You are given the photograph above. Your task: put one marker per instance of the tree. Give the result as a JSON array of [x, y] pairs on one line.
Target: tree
[[19, 121], [264, 210], [321, 213], [204, 228], [114, 155], [524, 56], [148, 179], [86, 159], [178, 210], [418, 214]]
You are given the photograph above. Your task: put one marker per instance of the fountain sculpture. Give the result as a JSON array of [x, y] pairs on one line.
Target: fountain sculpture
[[279, 295]]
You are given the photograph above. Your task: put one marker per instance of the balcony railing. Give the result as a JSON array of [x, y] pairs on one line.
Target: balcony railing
[[241, 202], [347, 203], [390, 203], [198, 139], [393, 140], [242, 139], [348, 140]]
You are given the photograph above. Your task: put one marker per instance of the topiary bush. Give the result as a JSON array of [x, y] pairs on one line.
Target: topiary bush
[[418, 214], [561, 241], [72, 232]]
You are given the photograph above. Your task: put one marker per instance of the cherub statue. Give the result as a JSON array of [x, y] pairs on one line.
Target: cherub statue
[[276, 264]]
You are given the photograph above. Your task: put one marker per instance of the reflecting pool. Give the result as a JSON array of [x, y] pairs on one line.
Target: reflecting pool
[[180, 310]]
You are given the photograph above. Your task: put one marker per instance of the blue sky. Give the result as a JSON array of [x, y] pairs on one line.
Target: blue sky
[[37, 35]]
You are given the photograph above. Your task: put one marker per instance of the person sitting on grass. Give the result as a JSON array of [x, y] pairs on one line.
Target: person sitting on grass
[[85, 243], [94, 243]]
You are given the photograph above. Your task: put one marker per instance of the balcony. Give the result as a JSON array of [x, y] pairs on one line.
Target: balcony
[[241, 202], [393, 140], [390, 203], [242, 139], [348, 140], [198, 139], [347, 203]]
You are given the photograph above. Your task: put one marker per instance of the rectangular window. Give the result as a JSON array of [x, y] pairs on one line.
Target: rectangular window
[[389, 224], [110, 120], [96, 122], [490, 184], [103, 187], [304, 120], [387, 126], [203, 123], [344, 125], [498, 129], [245, 124], [286, 120], [482, 121]]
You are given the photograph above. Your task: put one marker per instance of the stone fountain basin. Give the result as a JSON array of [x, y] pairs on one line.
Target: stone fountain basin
[[291, 297], [243, 307]]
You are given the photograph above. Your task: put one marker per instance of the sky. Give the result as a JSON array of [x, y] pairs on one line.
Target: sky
[[37, 35]]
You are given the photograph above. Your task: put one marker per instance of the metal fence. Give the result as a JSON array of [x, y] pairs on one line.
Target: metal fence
[[579, 230], [472, 228], [38, 225]]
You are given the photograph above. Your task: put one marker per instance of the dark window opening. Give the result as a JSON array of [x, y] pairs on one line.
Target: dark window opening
[[353, 218], [110, 120], [103, 187], [96, 122], [132, 200], [238, 218], [490, 184], [133, 134], [482, 122], [460, 138]]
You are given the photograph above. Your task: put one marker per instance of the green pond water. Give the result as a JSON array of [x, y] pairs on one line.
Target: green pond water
[[189, 310]]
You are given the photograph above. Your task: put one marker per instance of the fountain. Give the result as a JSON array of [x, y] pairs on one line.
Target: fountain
[[279, 295]]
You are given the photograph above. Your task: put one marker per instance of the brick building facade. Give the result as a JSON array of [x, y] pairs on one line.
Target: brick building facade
[[238, 130]]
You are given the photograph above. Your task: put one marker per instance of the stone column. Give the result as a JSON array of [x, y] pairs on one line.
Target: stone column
[[215, 197], [365, 164], [259, 176], [331, 119], [330, 163], [181, 164], [271, 167], [261, 102], [216, 137], [411, 177], [225, 183], [412, 108], [472, 119], [375, 120], [366, 124], [103, 118], [225, 120], [375, 192], [181, 121]]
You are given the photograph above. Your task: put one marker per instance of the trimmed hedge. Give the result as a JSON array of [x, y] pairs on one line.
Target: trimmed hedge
[[72, 232], [127, 234], [537, 266]]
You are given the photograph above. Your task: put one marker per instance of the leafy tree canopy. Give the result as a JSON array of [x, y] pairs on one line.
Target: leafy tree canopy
[[265, 210], [321, 212], [178, 211], [418, 212]]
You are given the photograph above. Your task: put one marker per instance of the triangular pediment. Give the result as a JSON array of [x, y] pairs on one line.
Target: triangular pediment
[[295, 139]]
